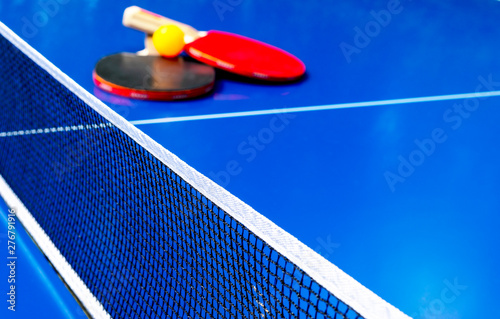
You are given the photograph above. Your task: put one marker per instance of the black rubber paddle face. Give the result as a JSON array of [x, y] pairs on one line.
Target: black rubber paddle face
[[153, 77]]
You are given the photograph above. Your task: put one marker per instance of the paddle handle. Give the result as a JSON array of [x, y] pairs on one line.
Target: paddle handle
[[148, 22]]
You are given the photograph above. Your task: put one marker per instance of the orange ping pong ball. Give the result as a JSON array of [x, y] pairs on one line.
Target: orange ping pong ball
[[169, 40]]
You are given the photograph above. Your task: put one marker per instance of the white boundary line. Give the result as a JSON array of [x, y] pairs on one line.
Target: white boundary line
[[25, 251], [301, 109], [341, 285], [60, 263]]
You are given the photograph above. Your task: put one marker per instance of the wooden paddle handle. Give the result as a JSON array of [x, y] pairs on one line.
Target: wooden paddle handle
[[148, 22]]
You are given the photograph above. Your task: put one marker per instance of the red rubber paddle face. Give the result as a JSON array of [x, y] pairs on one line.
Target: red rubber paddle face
[[152, 77], [245, 56]]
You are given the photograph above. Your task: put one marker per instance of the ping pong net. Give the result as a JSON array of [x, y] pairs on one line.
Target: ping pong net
[[134, 231]]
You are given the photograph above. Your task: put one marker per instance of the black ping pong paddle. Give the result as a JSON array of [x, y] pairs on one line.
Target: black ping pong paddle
[[152, 77]]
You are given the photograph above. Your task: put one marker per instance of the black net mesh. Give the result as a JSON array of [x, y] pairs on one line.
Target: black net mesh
[[145, 242]]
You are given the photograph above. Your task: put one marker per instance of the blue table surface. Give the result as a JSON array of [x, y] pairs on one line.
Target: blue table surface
[[403, 197], [38, 291]]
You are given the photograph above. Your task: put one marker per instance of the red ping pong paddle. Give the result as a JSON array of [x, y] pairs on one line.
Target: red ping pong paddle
[[224, 50]]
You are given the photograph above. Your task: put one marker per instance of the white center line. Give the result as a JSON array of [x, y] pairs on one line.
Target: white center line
[[55, 129], [259, 112], [318, 108]]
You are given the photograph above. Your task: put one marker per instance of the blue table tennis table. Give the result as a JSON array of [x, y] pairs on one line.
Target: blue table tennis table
[[383, 158]]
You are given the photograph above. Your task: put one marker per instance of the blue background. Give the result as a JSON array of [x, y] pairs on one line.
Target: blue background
[[323, 176]]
